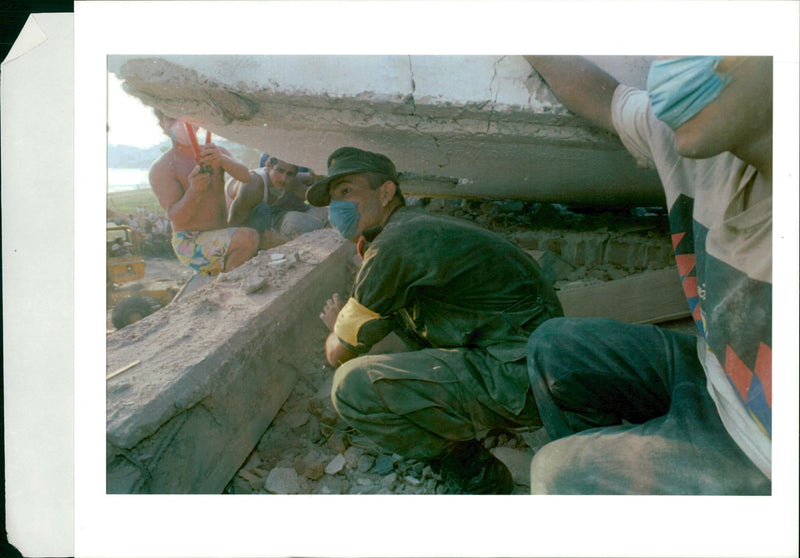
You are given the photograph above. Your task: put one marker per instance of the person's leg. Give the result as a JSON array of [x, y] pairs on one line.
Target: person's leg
[[687, 451], [269, 239], [588, 372], [203, 251], [243, 246], [260, 217], [658, 431], [414, 404], [295, 223], [411, 403]]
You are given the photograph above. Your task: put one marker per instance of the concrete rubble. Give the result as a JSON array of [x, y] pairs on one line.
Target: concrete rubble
[[308, 449]]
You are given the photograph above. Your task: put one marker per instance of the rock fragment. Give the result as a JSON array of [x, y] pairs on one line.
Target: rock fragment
[[336, 465], [282, 480]]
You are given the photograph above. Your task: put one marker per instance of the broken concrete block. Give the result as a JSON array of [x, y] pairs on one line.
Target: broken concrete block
[[650, 297], [214, 369], [480, 127], [282, 480]]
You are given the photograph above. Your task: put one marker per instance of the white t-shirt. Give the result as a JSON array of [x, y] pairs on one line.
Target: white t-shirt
[[723, 249]]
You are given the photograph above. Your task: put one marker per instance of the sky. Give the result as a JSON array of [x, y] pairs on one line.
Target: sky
[[130, 121]]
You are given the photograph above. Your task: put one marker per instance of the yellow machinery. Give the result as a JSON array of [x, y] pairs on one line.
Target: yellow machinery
[[126, 293]]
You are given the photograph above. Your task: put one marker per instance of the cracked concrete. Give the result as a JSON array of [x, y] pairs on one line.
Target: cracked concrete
[[487, 121], [192, 387]]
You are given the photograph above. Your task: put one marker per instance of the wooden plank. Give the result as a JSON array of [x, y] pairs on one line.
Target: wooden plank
[[646, 298]]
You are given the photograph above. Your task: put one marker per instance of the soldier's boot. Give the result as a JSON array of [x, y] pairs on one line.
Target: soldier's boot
[[469, 468]]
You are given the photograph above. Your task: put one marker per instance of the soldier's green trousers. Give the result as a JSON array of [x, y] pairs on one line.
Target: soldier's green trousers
[[418, 403]]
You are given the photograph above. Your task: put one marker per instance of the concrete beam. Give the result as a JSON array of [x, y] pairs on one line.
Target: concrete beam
[[646, 298], [193, 387], [455, 126]]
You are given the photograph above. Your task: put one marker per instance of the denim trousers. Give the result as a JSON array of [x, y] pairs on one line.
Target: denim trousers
[[629, 412]]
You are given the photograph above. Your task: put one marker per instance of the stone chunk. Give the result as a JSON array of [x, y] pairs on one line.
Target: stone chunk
[[352, 455], [336, 443], [252, 285], [383, 465], [365, 463], [315, 471], [389, 480], [336, 465], [282, 480]]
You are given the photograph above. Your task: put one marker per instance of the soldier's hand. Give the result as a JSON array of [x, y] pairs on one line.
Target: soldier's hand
[[331, 311]]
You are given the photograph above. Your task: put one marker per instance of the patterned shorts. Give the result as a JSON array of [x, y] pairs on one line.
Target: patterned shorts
[[203, 251]]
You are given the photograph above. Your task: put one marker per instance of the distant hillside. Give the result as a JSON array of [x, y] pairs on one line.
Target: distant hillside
[[132, 157]]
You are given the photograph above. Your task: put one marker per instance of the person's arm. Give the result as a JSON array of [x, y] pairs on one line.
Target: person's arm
[[298, 186], [579, 85], [179, 205], [336, 352], [248, 194], [214, 157]]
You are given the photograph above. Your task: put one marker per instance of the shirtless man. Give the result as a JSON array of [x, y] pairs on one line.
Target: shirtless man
[[273, 202], [192, 192]]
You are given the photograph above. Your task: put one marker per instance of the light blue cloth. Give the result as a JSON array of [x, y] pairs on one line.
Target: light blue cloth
[[681, 87], [344, 216]]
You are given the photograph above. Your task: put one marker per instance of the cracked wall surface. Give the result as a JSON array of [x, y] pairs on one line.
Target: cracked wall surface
[[459, 126]]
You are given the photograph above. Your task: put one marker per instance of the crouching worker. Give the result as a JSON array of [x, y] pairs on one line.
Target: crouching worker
[[463, 299], [641, 410], [273, 203]]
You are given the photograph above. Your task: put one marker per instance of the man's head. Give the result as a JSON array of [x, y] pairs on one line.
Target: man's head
[[726, 104], [174, 128], [362, 189], [280, 172]]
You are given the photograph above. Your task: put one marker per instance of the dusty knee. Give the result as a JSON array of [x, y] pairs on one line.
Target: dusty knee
[[296, 223], [552, 336], [245, 239], [546, 466], [351, 388]]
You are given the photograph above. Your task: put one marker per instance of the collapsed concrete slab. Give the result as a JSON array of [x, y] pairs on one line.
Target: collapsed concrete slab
[[456, 126], [192, 388]]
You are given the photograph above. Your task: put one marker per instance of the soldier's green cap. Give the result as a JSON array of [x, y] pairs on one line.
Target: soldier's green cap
[[349, 160]]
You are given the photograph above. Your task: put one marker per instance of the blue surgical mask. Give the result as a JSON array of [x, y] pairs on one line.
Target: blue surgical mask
[[344, 216], [679, 88]]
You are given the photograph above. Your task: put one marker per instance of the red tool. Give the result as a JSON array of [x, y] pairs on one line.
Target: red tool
[[193, 139]]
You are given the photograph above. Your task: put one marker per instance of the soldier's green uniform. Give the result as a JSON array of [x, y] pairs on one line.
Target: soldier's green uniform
[[465, 300]]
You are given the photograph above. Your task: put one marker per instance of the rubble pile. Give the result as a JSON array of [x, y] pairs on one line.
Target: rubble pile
[[592, 244], [308, 449]]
